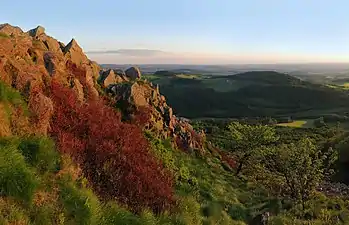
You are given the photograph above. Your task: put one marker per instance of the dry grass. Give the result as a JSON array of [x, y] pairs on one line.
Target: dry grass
[[11, 213], [42, 198], [69, 168], [5, 130], [20, 124]]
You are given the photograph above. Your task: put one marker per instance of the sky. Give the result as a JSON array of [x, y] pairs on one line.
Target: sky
[[193, 31]]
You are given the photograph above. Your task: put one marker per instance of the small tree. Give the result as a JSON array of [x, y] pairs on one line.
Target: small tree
[[295, 170], [249, 139], [320, 122]]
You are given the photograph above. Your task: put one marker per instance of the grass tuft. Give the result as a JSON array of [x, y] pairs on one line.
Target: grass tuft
[[40, 152], [16, 179], [3, 35], [81, 205], [114, 214]]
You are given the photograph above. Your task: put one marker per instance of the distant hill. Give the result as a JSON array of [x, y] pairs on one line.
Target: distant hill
[[256, 93]]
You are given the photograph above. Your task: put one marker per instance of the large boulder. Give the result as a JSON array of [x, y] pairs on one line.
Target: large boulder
[[134, 94], [133, 73], [78, 89], [41, 108], [50, 65], [88, 79], [109, 77], [95, 69], [51, 43]]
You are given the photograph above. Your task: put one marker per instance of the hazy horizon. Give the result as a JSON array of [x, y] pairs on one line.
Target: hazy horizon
[[194, 31], [147, 56]]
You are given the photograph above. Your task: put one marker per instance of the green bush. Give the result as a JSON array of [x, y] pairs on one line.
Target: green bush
[[43, 215], [40, 152], [81, 205], [213, 209], [148, 218], [238, 212], [16, 179], [114, 214], [163, 152], [190, 213], [11, 96], [3, 35], [8, 94]]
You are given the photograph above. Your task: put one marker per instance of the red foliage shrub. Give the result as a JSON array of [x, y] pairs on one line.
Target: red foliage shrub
[[228, 159], [76, 71], [114, 155], [80, 74], [180, 143], [141, 117]]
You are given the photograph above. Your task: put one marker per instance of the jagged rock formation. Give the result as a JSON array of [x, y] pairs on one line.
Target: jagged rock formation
[[29, 61], [133, 96], [75, 53], [36, 32], [108, 77], [10, 30]]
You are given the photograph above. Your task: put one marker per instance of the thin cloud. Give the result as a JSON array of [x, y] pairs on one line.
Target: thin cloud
[[132, 52]]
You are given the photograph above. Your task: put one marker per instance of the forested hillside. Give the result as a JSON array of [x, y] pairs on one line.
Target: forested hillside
[[252, 94]]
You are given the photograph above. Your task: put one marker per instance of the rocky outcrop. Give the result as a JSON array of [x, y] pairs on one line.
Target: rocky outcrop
[[78, 88], [10, 30], [120, 72], [51, 44], [30, 60], [50, 63], [42, 109], [133, 73], [74, 52], [36, 32], [142, 95], [108, 77]]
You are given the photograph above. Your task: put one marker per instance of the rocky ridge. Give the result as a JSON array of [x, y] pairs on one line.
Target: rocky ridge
[[29, 61]]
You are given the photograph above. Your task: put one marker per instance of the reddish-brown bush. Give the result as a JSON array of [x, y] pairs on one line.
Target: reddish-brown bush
[[180, 143], [114, 155], [228, 159], [141, 117]]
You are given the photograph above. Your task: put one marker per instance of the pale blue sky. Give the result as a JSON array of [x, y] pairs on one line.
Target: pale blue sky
[[307, 30]]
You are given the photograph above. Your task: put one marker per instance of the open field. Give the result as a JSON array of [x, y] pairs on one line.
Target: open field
[[298, 123], [345, 86], [188, 76]]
